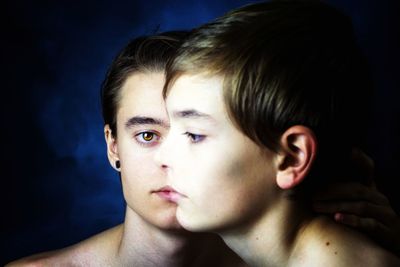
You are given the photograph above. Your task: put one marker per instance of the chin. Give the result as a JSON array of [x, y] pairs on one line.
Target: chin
[[171, 225], [168, 221], [190, 223], [202, 224]]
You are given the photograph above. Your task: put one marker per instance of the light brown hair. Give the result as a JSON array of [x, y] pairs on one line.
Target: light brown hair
[[285, 63]]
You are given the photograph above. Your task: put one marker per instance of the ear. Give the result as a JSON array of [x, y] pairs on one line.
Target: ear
[[112, 148], [298, 152]]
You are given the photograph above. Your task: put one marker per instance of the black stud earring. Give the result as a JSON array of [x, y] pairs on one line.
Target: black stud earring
[[117, 164]]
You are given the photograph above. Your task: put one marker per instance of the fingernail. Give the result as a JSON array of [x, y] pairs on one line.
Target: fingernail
[[338, 217]]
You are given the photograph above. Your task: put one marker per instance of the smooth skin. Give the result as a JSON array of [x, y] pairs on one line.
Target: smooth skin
[[150, 234], [232, 186]]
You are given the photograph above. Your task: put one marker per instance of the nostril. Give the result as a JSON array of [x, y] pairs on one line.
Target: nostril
[[164, 166]]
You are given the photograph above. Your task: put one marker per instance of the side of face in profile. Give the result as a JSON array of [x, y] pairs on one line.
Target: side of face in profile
[[247, 122]]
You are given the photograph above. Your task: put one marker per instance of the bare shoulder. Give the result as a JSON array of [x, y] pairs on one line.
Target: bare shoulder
[[94, 251], [327, 243], [332, 244]]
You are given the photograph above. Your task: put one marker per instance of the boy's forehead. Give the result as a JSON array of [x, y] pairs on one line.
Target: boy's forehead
[[203, 81], [141, 95], [141, 88], [194, 89], [196, 96]]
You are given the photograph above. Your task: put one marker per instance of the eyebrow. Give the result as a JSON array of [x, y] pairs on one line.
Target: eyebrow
[[191, 113], [143, 120]]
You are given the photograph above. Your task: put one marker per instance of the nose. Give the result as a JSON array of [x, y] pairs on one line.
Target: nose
[[162, 156]]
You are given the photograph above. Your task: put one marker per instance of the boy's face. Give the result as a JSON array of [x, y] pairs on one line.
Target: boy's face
[[142, 122], [226, 179]]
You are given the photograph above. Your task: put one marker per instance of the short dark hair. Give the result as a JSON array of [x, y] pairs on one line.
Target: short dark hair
[[142, 54], [285, 63]]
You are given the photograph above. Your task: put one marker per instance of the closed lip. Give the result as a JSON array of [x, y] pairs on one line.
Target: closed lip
[[169, 193]]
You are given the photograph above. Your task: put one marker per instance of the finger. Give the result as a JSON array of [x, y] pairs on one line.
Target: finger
[[364, 165], [368, 225], [384, 214], [351, 191]]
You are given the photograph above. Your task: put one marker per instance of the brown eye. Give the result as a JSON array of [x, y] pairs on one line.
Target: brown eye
[[147, 136]]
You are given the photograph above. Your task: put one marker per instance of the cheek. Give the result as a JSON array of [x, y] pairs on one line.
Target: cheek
[[137, 164], [237, 170], [218, 180], [218, 197], [227, 186]]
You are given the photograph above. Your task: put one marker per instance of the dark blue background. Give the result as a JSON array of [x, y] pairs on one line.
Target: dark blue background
[[56, 184]]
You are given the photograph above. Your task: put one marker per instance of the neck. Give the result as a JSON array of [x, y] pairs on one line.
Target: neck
[[270, 239], [143, 244]]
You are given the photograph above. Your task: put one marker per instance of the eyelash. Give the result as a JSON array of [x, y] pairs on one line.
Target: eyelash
[[141, 141], [195, 138]]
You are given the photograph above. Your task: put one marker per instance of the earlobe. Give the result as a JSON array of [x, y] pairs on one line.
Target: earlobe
[[298, 152], [112, 148]]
